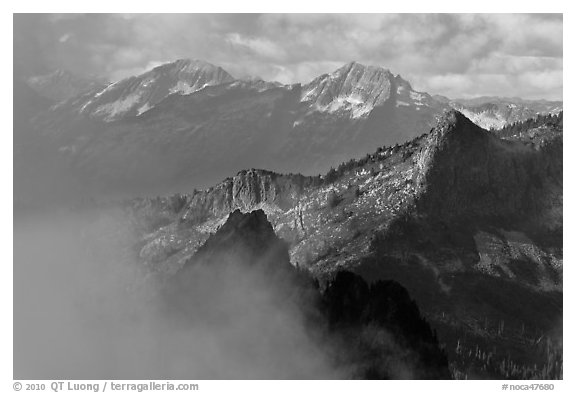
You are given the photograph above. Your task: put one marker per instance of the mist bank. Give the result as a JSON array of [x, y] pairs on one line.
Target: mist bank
[[86, 308]]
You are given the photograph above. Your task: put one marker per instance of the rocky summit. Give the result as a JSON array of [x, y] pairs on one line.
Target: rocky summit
[[354, 87], [136, 95]]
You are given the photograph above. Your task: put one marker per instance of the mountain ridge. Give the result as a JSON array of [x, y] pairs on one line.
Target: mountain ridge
[[110, 142], [345, 88], [423, 183], [441, 214], [135, 95]]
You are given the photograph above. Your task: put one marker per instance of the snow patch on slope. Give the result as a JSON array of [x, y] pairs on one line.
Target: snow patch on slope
[[185, 88], [485, 119], [417, 97], [352, 104], [119, 107], [143, 108]]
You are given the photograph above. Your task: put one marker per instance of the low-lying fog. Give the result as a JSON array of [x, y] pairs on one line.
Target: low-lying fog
[[85, 309]]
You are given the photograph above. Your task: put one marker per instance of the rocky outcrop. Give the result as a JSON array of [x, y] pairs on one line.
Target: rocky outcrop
[[465, 172], [172, 228], [248, 190], [245, 244], [246, 238]]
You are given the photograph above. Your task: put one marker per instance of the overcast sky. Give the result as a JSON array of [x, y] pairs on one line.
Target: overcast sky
[[451, 54]]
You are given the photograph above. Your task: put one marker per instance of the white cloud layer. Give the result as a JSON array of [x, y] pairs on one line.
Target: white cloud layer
[[458, 55]]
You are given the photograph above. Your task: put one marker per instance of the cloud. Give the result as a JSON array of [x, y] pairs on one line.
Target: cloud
[[64, 38], [258, 46], [528, 85], [425, 48]]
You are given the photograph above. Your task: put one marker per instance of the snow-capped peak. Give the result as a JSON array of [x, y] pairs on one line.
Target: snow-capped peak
[[354, 88], [136, 95]]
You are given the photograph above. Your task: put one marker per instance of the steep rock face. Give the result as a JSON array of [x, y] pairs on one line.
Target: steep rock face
[[247, 190]]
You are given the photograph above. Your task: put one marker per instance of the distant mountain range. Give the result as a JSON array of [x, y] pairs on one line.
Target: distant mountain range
[[189, 124], [496, 112]]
